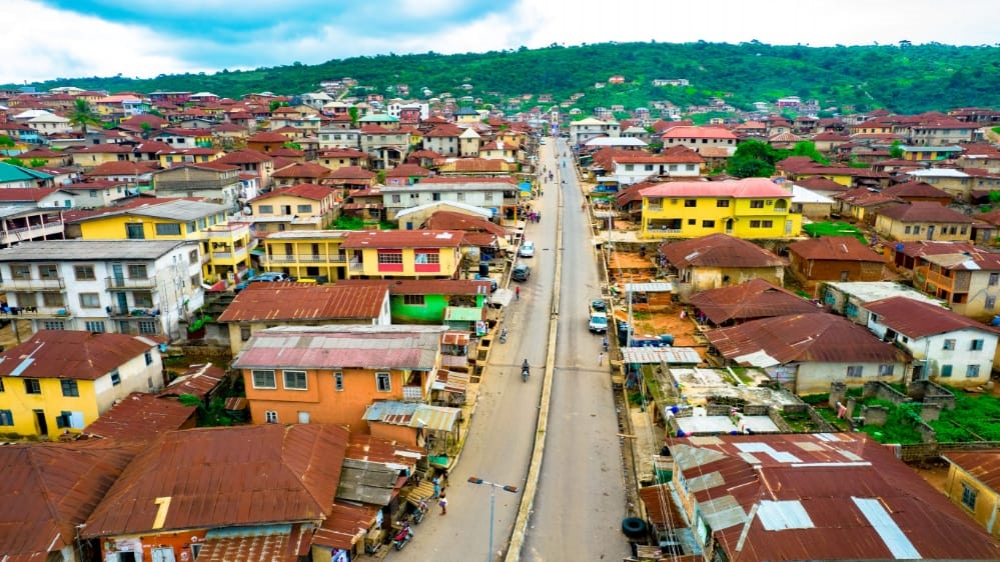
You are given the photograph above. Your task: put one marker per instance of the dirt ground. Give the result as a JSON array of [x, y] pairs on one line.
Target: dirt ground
[[654, 320]]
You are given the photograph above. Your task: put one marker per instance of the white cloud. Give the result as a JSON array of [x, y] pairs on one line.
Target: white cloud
[[50, 43]]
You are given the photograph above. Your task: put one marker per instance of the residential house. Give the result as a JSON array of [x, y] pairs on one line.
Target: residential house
[[444, 139], [74, 476], [985, 229], [271, 486], [863, 203], [21, 223], [967, 277], [747, 208], [387, 148], [849, 298], [501, 194], [305, 206], [426, 301], [98, 193], [947, 348], [810, 204], [59, 381], [52, 158], [92, 156], [827, 142], [946, 132], [588, 128], [225, 245], [738, 494], [930, 153], [805, 353], [635, 167], [145, 287], [43, 197], [822, 186], [339, 139], [266, 141], [958, 183], [406, 174], [450, 214], [135, 174], [213, 181], [251, 162], [980, 156], [475, 168], [351, 178], [922, 220], [184, 138], [330, 374], [918, 191], [314, 254], [263, 305], [718, 260], [302, 172], [972, 485], [12, 176], [405, 254], [142, 417], [337, 158], [469, 143], [834, 258], [751, 300], [697, 138]]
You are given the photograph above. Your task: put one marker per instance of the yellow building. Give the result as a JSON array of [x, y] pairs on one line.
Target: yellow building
[[747, 208], [60, 381], [404, 254], [972, 483], [225, 245], [313, 254], [304, 206]]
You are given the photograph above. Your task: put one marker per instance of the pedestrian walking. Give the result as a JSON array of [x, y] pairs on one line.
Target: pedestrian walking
[[517, 293], [443, 502], [437, 488], [600, 359]]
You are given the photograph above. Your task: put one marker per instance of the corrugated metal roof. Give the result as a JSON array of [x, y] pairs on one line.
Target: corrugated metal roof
[[198, 380], [815, 337], [71, 354], [90, 250], [981, 465], [661, 510], [329, 347], [141, 416], [718, 250], [918, 319], [451, 381], [807, 496], [464, 314], [345, 526], [834, 248], [455, 338], [225, 477], [398, 239], [412, 414], [657, 355], [754, 299], [264, 302], [374, 449], [269, 544], [74, 477], [649, 287], [368, 482]]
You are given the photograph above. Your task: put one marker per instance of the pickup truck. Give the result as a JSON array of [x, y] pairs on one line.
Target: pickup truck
[[598, 322]]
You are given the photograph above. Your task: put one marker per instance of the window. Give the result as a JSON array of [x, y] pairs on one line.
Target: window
[[167, 229], [90, 300], [945, 371], [265, 209], [193, 257], [338, 381], [84, 273], [488, 196], [271, 416], [460, 196], [295, 380], [148, 356], [991, 302], [32, 386], [968, 496], [906, 230], [994, 279], [435, 196], [692, 222], [916, 230], [722, 203], [133, 231], [756, 203], [754, 224], [708, 224], [143, 299], [116, 378], [137, 271], [147, 327], [48, 271], [192, 227], [195, 280], [396, 198], [949, 344], [690, 202], [263, 379], [767, 224], [977, 345], [54, 325], [18, 271], [390, 257], [885, 370], [414, 300], [854, 371], [382, 382], [6, 417], [53, 300], [972, 371], [244, 333], [425, 256], [1, 385], [69, 387], [303, 208]]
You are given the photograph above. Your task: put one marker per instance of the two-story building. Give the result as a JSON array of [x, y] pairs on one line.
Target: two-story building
[[314, 254], [923, 220], [337, 158], [339, 139], [210, 180], [588, 128], [444, 140], [499, 194], [717, 261], [747, 208], [387, 148], [144, 287], [630, 168], [958, 183], [965, 276], [697, 138], [59, 381], [304, 206], [330, 374], [405, 254]]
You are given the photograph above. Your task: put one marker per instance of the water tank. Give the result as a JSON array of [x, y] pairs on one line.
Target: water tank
[[484, 269], [667, 339]]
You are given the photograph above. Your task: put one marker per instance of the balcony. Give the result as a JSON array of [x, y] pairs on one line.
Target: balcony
[[129, 283], [231, 231], [958, 284], [32, 232], [32, 285], [133, 313], [230, 257], [34, 312], [304, 258]]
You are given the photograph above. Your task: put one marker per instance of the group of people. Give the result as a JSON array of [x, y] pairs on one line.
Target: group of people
[[440, 483], [534, 216]]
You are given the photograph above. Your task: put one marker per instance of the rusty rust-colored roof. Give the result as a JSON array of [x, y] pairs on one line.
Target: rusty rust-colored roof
[[981, 465], [452, 220], [916, 189], [718, 250], [800, 338], [337, 347], [261, 302], [304, 190], [834, 248], [754, 299], [661, 510], [385, 451], [49, 489], [223, 477], [924, 211], [198, 380], [408, 170], [258, 545], [141, 417], [917, 319], [398, 239], [351, 173], [71, 354], [822, 497], [303, 170], [346, 525]]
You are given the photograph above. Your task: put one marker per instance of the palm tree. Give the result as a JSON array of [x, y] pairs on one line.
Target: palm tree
[[83, 115]]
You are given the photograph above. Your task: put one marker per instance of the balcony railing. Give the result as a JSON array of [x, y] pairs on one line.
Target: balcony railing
[[129, 283], [34, 312], [30, 232], [28, 285], [305, 258]]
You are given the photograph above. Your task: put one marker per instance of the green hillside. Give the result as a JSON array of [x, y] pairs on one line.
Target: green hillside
[[904, 78]]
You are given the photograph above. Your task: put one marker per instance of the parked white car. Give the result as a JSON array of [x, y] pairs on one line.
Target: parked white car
[[527, 249]]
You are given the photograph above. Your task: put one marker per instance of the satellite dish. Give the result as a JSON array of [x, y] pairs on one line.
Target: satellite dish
[[247, 211]]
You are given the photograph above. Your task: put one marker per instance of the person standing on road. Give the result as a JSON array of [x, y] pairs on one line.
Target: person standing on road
[[517, 293], [600, 358], [443, 502]]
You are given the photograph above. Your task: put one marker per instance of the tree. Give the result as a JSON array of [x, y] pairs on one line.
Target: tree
[[752, 159], [37, 162], [808, 148], [6, 141], [14, 162], [82, 115], [146, 128], [353, 113], [896, 151]]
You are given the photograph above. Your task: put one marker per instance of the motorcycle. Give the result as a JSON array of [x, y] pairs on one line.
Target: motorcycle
[[418, 514], [503, 335], [402, 537], [525, 371]]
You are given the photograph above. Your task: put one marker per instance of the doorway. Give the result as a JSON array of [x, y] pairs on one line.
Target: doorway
[[43, 426]]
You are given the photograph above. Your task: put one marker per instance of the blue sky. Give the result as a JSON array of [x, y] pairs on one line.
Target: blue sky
[[142, 38]]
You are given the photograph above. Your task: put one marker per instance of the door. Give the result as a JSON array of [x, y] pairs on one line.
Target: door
[[163, 555], [122, 303], [118, 273], [43, 426], [729, 226], [918, 373], [930, 232]]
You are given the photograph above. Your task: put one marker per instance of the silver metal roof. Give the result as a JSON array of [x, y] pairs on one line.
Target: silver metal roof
[[91, 250], [662, 287], [180, 209], [656, 355]]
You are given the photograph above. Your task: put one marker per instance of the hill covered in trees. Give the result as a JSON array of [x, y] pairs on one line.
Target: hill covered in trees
[[903, 78]]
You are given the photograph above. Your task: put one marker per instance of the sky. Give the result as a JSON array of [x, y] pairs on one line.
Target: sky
[[49, 39]]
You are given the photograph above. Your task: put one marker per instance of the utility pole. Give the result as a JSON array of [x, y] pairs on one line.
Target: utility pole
[[493, 495]]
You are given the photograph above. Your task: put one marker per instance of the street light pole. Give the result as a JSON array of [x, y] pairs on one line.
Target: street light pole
[[493, 495]]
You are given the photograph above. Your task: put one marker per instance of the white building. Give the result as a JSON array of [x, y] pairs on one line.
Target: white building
[[585, 129], [488, 193]]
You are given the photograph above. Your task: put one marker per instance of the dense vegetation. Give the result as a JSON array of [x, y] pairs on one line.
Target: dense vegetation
[[903, 78]]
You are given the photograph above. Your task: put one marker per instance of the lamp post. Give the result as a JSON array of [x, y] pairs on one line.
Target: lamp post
[[493, 495]]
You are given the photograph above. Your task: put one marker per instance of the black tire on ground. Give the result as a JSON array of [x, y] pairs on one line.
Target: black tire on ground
[[633, 527]]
